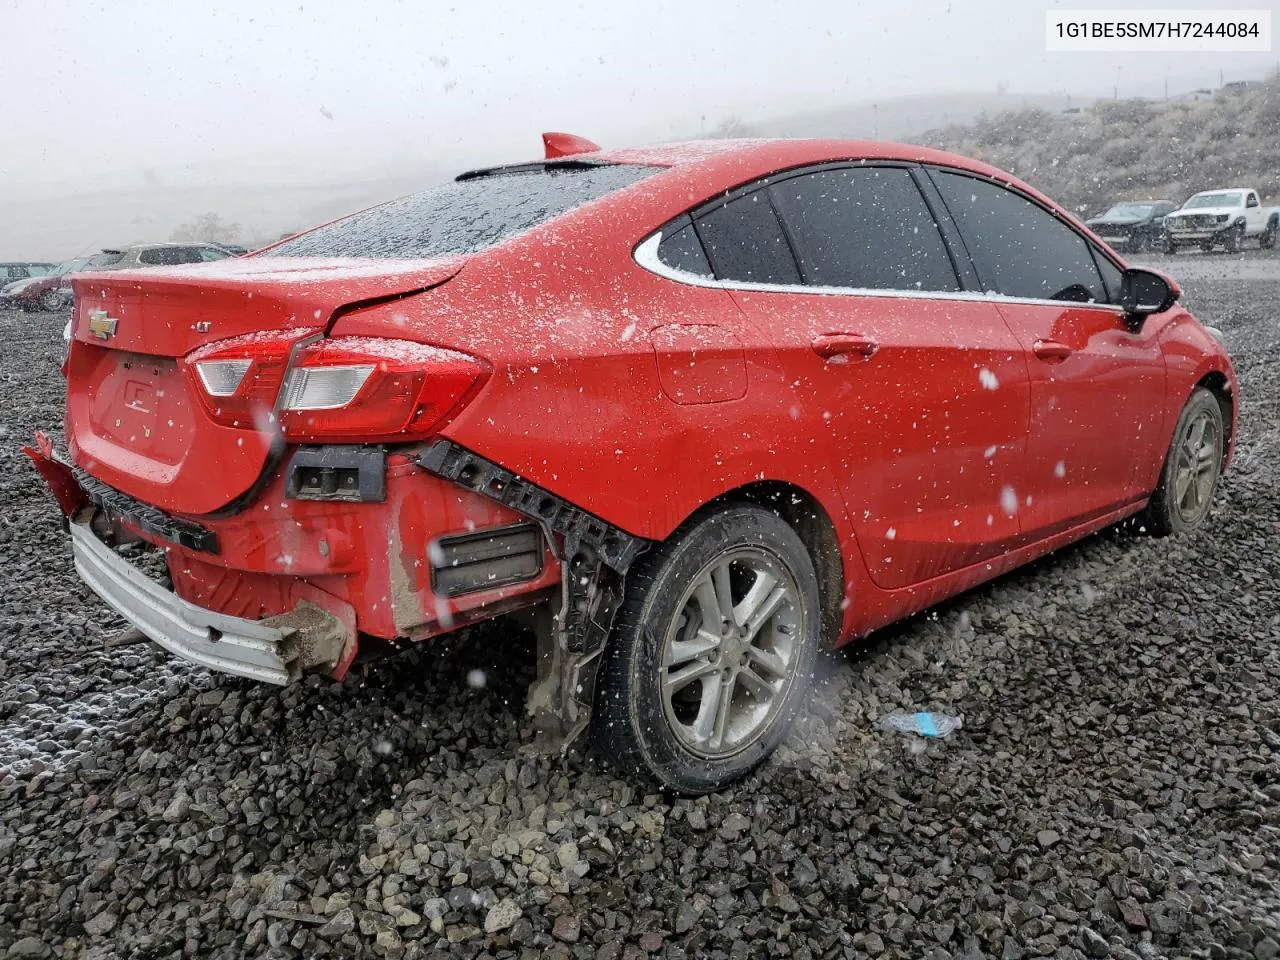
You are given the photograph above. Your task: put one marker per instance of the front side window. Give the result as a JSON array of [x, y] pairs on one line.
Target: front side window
[[744, 241], [464, 216], [866, 228], [1022, 249]]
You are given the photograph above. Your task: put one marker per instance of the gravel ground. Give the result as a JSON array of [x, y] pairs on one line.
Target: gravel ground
[[1113, 792]]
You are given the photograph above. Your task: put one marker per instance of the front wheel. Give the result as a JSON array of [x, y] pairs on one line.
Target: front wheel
[[1191, 468], [1233, 240], [711, 652], [51, 301], [1170, 246]]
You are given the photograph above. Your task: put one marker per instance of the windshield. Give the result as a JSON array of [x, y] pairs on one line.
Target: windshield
[[1231, 198], [464, 216], [1134, 210]]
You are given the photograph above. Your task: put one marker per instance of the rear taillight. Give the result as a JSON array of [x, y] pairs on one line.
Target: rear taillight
[[238, 380], [370, 389], [360, 389]]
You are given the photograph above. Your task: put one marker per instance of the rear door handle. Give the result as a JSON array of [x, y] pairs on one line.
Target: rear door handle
[[1051, 351], [830, 345]]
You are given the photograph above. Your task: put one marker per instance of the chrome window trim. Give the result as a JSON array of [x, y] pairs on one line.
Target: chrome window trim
[[646, 257]]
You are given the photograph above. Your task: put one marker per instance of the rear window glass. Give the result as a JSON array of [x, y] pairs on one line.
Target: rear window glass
[[464, 216]]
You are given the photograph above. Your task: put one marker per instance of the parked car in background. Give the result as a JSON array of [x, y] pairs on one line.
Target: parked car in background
[[161, 255], [1227, 217], [235, 249], [12, 270], [1133, 225], [699, 410], [52, 291]]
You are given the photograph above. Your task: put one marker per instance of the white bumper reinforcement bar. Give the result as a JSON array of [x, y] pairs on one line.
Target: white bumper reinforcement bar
[[246, 648]]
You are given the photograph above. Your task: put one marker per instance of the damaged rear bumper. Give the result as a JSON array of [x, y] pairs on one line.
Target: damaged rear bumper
[[246, 648]]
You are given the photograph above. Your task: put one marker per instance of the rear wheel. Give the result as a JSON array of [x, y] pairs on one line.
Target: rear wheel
[[51, 300], [1191, 468], [1268, 239], [711, 653]]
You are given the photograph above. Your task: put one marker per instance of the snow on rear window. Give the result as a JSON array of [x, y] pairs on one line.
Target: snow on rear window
[[464, 216]]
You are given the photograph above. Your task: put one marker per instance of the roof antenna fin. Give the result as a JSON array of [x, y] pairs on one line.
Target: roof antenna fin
[[566, 144]]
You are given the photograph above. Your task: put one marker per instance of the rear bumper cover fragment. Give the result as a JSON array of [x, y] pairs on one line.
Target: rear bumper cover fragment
[[149, 519], [246, 648]]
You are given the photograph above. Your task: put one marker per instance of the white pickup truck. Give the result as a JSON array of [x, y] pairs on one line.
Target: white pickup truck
[[1225, 216]]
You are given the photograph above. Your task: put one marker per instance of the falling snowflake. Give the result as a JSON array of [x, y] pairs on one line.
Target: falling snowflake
[[988, 379]]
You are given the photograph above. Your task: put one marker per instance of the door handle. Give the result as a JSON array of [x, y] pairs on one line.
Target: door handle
[[831, 345], [1051, 351]]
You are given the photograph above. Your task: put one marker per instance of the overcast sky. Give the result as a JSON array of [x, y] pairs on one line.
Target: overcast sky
[[131, 93]]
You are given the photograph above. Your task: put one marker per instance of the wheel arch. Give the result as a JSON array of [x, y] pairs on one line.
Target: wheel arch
[[1216, 382], [806, 515]]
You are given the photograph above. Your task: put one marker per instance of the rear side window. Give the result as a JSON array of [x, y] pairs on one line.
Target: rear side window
[[683, 251], [99, 260], [1021, 248], [209, 254], [864, 227], [745, 243], [464, 216]]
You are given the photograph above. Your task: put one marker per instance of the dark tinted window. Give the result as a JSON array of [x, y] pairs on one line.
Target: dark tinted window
[[169, 256], [683, 251], [744, 241], [1025, 251], [463, 216], [865, 227]]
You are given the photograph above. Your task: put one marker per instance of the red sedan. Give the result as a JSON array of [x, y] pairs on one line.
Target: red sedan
[[699, 409]]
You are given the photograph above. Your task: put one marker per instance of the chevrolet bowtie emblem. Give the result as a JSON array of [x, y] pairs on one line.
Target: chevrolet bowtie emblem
[[102, 326]]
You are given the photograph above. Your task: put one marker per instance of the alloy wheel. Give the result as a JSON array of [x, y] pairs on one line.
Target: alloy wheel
[[730, 655], [1196, 467]]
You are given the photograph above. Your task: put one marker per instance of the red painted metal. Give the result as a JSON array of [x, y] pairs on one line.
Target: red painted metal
[[566, 145], [929, 432]]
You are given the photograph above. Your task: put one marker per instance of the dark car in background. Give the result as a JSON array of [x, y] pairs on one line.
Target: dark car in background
[[1133, 225]]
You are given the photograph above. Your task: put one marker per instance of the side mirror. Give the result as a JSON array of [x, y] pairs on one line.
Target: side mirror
[[1144, 292]]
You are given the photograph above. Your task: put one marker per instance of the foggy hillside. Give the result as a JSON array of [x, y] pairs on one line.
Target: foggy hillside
[[1133, 149]]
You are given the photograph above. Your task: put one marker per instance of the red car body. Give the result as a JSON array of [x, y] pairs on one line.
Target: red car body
[[942, 440]]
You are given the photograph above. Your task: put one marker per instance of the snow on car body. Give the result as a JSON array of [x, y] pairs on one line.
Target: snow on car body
[[700, 408]]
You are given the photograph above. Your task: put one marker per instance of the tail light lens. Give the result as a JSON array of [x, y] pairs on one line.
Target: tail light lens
[[361, 389], [371, 389], [238, 380]]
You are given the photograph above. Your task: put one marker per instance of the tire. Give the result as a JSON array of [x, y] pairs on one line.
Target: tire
[[1170, 247], [1206, 246], [670, 612], [1191, 468], [1233, 239], [51, 301], [1268, 239]]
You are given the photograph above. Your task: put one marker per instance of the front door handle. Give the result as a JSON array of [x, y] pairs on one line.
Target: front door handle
[[1051, 351], [830, 345]]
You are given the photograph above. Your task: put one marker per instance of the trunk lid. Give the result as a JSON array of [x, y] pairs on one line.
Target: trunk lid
[[132, 418]]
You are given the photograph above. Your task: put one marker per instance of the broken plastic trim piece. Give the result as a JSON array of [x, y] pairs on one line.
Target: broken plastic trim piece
[[596, 555], [149, 519], [616, 548]]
